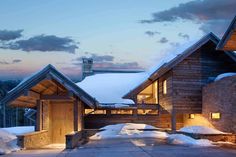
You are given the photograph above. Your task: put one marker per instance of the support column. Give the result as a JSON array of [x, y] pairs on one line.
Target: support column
[[39, 119], [76, 111], [81, 111], [173, 120]]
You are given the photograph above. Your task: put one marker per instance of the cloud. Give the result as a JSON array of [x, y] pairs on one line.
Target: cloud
[[216, 26], [163, 40], [96, 58], [184, 36], [175, 44], [7, 35], [43, 43], [16, 61], [106, 62], [203, 11], [3, 62], [152, 33], [111, 65]]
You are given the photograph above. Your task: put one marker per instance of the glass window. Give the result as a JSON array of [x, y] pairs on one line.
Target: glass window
[[164, 87], [121, 112], [146, 112], [191, 116], [215, 115], [88, 111], [91, 111]]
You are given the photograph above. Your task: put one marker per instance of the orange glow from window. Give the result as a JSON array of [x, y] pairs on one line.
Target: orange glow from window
[[215, 115], [164, 87], [191, 116]]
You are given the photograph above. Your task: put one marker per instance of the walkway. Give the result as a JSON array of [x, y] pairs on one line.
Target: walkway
[[128, 148]]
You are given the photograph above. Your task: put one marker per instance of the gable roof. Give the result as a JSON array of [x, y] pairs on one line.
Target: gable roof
[[179, 58], [52, 72], [228, 41]]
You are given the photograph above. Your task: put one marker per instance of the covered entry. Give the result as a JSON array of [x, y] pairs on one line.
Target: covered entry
[[59, 104]]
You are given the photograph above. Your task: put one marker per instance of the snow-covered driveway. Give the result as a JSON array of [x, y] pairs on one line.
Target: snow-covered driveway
[[145, 147]]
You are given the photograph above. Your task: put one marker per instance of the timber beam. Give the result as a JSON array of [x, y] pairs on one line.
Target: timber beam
[[32, 94], [56, 97]]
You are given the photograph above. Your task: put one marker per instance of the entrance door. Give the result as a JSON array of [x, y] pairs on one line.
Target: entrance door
[[62, 121]]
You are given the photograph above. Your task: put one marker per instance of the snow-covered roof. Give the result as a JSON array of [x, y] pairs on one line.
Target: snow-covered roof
[[109, 88], [172, 60]]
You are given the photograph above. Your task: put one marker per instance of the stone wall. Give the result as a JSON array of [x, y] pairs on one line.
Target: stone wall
[[73, 139], [33, 140], [220, 96]]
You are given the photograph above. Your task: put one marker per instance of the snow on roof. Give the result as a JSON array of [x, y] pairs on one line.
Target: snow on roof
[[110, 87], [221, 76]]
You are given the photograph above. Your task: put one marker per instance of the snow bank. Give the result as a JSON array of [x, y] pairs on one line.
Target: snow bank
[[19, 130], [200, 130], [7, 142], [221, 76], [180, 139], [134, 131], [128, 130], [8, 139]]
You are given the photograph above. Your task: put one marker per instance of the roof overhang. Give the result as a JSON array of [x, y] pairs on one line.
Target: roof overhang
[[51, 78], [179, 58], [228, 41]]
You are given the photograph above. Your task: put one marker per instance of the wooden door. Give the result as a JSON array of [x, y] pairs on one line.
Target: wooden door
[[62, 121]]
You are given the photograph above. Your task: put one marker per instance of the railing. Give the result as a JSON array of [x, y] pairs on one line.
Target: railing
[[134, 107]]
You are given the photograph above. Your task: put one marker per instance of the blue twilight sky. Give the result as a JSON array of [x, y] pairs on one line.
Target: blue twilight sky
[[124, 34]]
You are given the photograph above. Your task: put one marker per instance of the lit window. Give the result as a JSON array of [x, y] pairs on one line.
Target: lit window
[[155, 92], [147, 112], [88, 111], [191, 116], [164, 87], [215, 115], [100, 112], [121, 111]]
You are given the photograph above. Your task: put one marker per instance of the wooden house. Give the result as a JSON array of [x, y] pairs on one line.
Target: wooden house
[[177, 85], [59, 103]]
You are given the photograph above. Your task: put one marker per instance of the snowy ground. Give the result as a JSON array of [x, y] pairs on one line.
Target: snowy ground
[[130, 130], [200, 130], [8, 138]]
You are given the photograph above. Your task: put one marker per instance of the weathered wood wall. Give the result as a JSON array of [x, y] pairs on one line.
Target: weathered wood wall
[[190, 75]]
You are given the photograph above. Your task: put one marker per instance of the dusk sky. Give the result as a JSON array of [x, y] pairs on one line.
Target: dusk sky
[[124, 34]]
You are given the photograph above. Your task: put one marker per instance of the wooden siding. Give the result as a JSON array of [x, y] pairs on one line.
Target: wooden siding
[[62, 120], [195, 71]]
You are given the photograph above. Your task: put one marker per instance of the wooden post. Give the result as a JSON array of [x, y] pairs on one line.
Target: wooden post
[[173, 120], [81, 114], [76, 111], [39, 116]]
